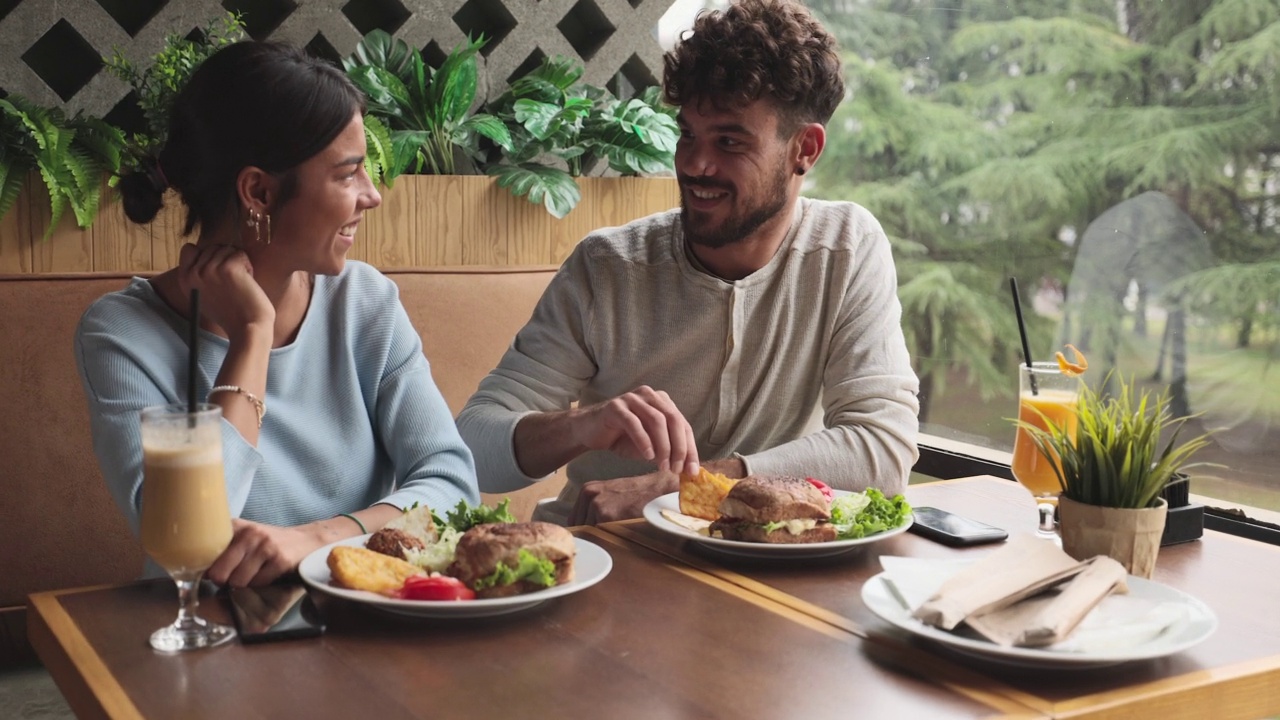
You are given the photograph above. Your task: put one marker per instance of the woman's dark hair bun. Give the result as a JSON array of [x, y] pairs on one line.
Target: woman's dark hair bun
[[142, 191], [251, 104]]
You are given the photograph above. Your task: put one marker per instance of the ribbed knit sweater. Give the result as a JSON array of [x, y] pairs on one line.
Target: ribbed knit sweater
[[353, 416], [799, 368]]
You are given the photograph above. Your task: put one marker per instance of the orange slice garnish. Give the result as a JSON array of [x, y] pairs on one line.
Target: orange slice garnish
[[1072, 369]]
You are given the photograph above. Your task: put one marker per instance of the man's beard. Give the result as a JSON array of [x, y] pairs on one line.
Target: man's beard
[[738, 226]]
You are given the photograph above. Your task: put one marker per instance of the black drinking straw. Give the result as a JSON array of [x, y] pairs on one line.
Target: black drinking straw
[[1022, 331], [192, 354]]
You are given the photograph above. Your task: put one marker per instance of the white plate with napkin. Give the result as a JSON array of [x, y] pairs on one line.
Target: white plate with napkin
[[1151, 621]]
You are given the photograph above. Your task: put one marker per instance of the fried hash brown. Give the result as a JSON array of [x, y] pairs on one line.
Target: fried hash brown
[[358, 568]]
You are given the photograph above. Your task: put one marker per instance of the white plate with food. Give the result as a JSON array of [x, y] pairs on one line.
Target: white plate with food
[[1193, 623], [591, 564], [664, 514]]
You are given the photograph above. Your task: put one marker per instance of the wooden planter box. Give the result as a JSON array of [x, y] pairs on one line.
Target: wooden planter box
[[424, 221]]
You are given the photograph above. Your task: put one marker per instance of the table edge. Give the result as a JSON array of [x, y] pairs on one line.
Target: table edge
[[79, 672]]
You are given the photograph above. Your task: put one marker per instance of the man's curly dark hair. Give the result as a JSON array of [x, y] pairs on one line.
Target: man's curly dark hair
[[771, 49]]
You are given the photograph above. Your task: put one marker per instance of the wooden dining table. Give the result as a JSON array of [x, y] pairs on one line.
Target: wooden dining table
[[1235, 673], [671, 632]]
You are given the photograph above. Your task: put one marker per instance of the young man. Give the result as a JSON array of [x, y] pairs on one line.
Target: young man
[[753, 326]]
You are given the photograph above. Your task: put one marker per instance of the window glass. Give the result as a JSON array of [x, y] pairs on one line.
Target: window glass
[[1119, 159]]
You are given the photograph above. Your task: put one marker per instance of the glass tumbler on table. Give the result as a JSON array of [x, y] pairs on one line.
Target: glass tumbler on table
[[186, 523], [1044, 392]]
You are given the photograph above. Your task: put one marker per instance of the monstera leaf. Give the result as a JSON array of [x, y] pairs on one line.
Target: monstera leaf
[[379, 49], [552, 187]]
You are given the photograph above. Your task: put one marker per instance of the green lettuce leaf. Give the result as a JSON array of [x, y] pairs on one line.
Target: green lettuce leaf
[[528, 568], [861, 514], [464, 517]]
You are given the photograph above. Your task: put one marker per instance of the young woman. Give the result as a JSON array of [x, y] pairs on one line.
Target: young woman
[[331, 421]]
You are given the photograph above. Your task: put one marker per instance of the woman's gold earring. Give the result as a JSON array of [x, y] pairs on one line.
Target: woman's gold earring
[[255, 220]]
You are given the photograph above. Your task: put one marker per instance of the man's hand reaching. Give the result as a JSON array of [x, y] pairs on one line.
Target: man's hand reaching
[[643, 424], [621, 498]]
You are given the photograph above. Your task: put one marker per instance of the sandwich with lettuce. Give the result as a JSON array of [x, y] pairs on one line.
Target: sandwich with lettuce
[[768, 509], [505, 559]]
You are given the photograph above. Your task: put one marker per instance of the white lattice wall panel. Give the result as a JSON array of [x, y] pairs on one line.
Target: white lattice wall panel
[[50, 50]]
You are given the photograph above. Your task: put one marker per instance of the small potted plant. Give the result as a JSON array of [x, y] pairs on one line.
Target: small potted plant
[[1113, 472]]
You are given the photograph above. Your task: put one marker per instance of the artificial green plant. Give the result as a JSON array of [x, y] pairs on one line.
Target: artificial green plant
[[553, 116], [73, 154], [1117, 457], [158, 84], [417, 115]]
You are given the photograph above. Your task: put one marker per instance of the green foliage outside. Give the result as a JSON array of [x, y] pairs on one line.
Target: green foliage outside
[[984, 134]]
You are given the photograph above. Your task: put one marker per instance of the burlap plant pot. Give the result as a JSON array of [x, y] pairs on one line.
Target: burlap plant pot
[[1131, 537]]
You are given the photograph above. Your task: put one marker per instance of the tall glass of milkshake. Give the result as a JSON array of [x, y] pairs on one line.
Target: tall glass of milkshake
[[186, 523]]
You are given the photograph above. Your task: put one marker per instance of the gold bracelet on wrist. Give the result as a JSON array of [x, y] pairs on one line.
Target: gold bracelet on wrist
[[258, 406]]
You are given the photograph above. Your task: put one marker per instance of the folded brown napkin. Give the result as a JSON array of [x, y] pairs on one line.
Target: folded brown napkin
[[1051, 616], [1117, 622], [1024, 567]]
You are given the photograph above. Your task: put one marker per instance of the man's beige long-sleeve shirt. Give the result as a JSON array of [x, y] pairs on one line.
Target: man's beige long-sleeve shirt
[[799, 369]]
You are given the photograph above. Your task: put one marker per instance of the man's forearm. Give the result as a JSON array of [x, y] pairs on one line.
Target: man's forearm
[[849, 458], [544, 442]]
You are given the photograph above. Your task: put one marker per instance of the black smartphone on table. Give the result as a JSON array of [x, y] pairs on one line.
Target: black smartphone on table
[[274, 612], [954, 530]]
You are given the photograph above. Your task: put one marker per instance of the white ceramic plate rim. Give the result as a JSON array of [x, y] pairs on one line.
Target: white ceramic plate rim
[[590, 566], [1200, 624], [671, 501]]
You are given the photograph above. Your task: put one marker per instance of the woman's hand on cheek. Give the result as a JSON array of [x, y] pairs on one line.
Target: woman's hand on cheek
[[229, 295]]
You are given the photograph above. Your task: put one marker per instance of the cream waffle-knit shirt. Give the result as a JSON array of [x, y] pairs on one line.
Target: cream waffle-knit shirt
[[799, 369]]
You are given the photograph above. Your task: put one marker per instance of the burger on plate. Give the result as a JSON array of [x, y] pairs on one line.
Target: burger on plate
[[766, 509], [505, 559]]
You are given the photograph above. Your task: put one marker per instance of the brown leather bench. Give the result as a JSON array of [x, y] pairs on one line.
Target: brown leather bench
[[58, 525]]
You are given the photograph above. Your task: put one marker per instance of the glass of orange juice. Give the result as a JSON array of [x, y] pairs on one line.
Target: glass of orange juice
[[186, 523], [1044, 393]]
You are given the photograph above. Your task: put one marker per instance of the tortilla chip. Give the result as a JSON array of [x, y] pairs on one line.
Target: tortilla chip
[[701, 494]]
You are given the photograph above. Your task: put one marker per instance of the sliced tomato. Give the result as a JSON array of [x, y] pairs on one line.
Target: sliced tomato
[[436, 587], [824, 488]]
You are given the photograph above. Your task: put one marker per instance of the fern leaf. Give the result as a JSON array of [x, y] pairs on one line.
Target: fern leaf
[[13, 173]]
